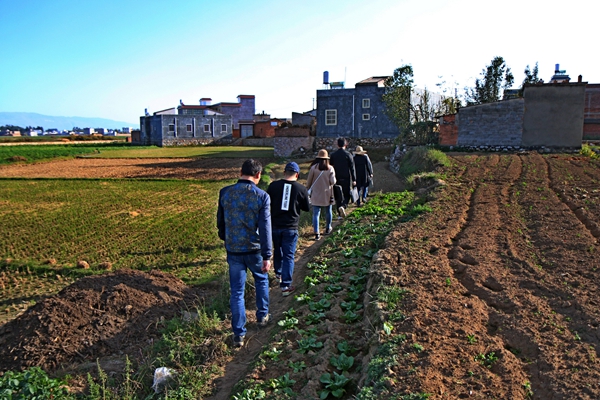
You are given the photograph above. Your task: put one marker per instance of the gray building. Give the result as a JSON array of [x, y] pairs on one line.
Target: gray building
[[197, 124], [354, 113]]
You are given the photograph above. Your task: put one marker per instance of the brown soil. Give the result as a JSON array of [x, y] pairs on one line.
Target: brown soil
[[111, 314], [508, 258], [509, 255], [166, 168]]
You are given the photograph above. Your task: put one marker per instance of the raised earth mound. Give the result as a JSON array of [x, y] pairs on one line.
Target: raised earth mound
[[96, 316]]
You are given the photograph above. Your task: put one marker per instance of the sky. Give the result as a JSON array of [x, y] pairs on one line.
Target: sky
[[115, 58]]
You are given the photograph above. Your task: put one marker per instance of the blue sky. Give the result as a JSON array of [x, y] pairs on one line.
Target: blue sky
[[114, 58]]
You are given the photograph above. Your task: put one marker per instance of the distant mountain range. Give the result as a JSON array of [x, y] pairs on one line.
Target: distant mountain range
[[24, 119]]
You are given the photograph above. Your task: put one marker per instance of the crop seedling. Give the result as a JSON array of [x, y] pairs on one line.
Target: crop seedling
[[320, 306], [290, 313], [250, 394], [487, 359], [310, 332], [310, 281], [334, 385], [419, 348], [304, 297], [471, 339], [357, 279], [350, 305], [282, 384], [33, 383], [272, 354], [388, 328], [350, 317], [308, 344], [344, 347], [314, 318], [353, 296], [343, 362], [297, 366], [334, 288], [288, 323], [448, 282]]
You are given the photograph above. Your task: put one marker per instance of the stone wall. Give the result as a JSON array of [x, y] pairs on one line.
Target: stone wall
[[492, 124], [367, 143], [257, 142], [284, 146]]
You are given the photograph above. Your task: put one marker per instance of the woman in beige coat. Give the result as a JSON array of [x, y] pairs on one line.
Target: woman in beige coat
[[320, 181]]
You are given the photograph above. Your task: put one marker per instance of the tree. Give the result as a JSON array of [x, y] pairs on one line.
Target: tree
[[531, 77], [495, 78], [396, 97]]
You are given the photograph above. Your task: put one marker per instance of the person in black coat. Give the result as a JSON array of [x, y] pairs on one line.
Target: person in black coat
[[343, 163], [364, 173]]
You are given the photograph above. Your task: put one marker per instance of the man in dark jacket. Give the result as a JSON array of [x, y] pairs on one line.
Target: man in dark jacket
[[343, 163], [288, 198], [244, 223]]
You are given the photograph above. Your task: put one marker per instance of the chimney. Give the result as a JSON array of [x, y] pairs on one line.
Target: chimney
[[556, 68], [579, 79]]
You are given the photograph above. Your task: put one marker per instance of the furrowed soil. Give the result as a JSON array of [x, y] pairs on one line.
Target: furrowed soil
[[501, 281]]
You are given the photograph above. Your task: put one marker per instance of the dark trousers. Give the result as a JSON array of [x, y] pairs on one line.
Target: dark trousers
[[345, 184]]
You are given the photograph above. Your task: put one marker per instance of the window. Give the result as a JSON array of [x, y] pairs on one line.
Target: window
[[366, 117], [366, 103], [223, 128], [189, 127], [330, 117], [171, 127], [206, 128]]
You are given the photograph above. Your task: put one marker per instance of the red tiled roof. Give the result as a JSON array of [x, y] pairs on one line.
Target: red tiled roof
[[246, 96]]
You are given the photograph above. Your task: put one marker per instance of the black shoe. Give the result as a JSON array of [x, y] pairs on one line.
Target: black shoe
[[238, 341], [317, 236], [327, 231]]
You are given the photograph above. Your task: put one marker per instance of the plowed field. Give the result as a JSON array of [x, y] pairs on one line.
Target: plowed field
[[501, 282], [507, 263]]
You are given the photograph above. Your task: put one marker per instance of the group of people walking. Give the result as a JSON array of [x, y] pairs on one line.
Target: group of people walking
[[351, 174], [257, 225]]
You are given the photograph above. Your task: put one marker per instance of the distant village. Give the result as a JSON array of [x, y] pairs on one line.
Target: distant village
[[16, 131]]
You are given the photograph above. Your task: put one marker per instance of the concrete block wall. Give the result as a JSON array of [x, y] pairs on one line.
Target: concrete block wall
[[554, 115], [493, 124]]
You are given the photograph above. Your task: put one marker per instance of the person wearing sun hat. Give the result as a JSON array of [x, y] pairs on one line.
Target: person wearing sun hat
[[288, 199], [320, 181], [364, 173]]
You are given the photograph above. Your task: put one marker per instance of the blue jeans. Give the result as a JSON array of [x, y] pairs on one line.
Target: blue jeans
[[362, 193], [317, 212], [238, 266], [284, 249]]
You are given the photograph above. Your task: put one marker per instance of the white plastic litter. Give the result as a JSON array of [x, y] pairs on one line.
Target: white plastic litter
[[162, 376]]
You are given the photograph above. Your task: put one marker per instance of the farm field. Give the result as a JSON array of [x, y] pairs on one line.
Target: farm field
[[493, 293]]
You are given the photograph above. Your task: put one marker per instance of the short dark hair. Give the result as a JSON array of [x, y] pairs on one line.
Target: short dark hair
[[341, 142], [251, 167]]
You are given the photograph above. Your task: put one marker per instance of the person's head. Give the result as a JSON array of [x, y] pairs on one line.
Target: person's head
[[341, 142], [291, 171], [322, 159], [251, 169]]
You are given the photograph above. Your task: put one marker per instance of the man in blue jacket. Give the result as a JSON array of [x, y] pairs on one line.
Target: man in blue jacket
[[244, 223], [288, 198]]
